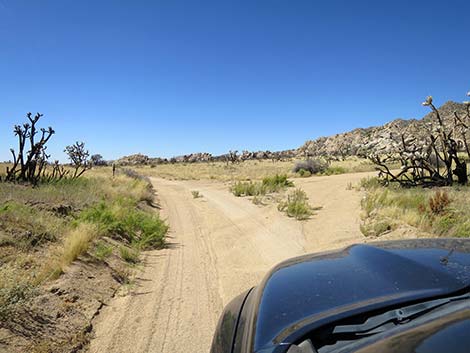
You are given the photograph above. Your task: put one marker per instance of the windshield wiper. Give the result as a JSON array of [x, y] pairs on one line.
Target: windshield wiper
[[396, 316]]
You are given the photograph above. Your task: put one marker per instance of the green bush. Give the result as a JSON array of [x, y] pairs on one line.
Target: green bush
[[276, 182], [296, 205], [304, 173], [267, 185]]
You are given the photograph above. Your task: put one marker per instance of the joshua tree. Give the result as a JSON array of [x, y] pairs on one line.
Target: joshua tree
[[97, 159], [78, 155], [232, 156], [29, 164], [432, 159]]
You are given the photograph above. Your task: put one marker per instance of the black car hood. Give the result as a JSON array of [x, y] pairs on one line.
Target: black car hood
[[311, 289]]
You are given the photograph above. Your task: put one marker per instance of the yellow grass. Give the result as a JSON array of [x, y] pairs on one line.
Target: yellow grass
[[77, 242], [248, 170]]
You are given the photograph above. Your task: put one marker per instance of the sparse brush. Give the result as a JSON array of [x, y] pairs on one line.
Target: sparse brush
[[14, 292], [30, 227], [102, 250], [439, 202], [376, 229], [129, 255], [335, 170], [257, 200], [196, 194], [296, 205], [425, 209], [267, 185], [369, 183]]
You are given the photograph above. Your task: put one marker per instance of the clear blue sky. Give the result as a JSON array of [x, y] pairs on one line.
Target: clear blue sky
[[172, 77]]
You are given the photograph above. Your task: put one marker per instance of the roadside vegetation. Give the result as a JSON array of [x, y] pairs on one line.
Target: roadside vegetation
[[429, 190], [438, 211], [55, 216], [294, 204], [44, 229]]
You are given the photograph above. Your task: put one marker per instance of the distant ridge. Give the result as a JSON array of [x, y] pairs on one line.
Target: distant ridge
[[364, 141], [357, 142]]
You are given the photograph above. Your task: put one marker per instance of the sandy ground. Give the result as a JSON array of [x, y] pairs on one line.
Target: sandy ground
[[220, 245]]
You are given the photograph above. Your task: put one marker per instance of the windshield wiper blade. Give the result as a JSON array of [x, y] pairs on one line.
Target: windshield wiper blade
[[397, 315]]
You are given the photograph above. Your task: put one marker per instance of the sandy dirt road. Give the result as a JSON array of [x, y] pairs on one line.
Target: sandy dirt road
[[219, 246]]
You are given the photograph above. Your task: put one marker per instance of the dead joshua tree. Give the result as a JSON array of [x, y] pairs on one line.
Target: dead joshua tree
[[29, 165], [78, 155], [432, 159], [232, 156]]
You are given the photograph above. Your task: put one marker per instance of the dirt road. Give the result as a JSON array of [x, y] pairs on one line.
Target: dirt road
[[220, 245]]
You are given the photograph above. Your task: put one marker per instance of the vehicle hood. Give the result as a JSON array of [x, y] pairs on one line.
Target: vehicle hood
[[310, 291]]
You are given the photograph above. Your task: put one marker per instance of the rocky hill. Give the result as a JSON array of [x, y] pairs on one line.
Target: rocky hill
[[365, 141], [358, 142]]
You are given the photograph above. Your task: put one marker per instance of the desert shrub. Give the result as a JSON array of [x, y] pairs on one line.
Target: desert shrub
[[439, 202], [304, 173], [296, 205], [267, 185], [314, 166], [129, 255], [196, 194], [276, 182], [247, 188], [97, 160]]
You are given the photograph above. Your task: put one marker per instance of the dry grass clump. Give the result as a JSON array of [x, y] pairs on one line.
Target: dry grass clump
[[77, 241], [443, 212], [248, 170]]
